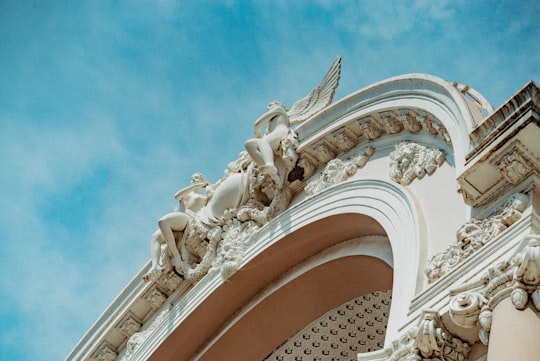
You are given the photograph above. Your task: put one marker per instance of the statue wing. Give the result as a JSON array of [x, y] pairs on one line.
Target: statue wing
[[319, 98]]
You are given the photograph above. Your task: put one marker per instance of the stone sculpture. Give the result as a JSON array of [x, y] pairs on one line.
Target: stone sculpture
[[474, 234], [213, 222], [279, 138]]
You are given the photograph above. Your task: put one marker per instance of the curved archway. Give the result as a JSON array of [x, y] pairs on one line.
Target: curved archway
[[325, 281], [341, 213]]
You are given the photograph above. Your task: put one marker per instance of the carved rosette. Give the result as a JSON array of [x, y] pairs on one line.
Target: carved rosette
[[410, 161], [474, 234], [429, 340], [337, 171], [472, 305]]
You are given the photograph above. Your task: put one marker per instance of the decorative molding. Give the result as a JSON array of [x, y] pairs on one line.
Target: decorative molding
[[155, 298], [429, 340], [129, 325], [514, 164], [474, 234], [169, 281], [472, 304], [410, 161], [504, 150], [337, 171], [137, 339], [105, 352], [508, 113]]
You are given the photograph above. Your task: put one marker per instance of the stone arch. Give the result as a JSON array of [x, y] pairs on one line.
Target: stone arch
[[338, 214]]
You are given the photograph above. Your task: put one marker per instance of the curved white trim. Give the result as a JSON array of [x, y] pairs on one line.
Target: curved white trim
[[388, 204], [421, 91], [372, 246]]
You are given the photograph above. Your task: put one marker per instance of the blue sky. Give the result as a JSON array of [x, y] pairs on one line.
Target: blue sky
[[108, 107]]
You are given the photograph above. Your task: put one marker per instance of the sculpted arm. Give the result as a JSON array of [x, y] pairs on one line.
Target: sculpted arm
[[264, 120]]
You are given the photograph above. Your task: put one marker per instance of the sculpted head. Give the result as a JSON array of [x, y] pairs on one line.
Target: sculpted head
[[276, 104], [198, 178]]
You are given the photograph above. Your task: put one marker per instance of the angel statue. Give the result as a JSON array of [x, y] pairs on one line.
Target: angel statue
[[245, 192], [264, 148], [191, 200]]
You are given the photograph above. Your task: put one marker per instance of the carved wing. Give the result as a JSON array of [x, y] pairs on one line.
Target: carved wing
[[320, 97]]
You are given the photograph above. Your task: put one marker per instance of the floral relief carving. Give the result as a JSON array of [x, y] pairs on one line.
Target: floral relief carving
[[514, 165], [337, 171], [429, 340], [410, 161], [474, 234], [472, 304]]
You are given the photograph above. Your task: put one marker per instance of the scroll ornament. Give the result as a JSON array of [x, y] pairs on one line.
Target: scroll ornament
[[429, 340], [472, 304]]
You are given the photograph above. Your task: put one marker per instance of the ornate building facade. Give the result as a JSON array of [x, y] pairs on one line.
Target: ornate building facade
[[398, 223]]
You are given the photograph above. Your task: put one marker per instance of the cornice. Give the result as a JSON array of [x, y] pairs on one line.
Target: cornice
[[505, 150]]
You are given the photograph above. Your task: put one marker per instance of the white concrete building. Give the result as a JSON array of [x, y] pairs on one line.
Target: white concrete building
[[398, 223]]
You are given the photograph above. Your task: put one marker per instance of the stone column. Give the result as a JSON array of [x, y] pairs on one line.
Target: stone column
[[515, 334]]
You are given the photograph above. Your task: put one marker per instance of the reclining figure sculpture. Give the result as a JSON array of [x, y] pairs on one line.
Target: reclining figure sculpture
[[252, 191]]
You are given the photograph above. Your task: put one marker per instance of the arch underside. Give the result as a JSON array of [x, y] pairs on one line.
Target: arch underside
[[263, 322]]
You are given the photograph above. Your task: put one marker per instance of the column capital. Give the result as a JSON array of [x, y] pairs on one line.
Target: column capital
[[471, 305]]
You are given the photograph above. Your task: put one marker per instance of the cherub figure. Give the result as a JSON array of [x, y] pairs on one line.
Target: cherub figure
[[192, 199]]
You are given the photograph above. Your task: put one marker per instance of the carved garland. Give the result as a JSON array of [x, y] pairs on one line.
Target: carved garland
[[474, 234], [337, 171], [519, 278], [410, 161]]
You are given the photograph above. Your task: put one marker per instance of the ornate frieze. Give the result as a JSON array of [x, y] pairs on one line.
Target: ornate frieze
[[337, 171], [409, 120], [514, 164], [390, 123], [155, 298], [410, 161], [344, 140], [474, 234], [137, 339], [323, 152], [365, 129], [129, 325], [370, 127], [472, 304], [169, 281], [105, 352]]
